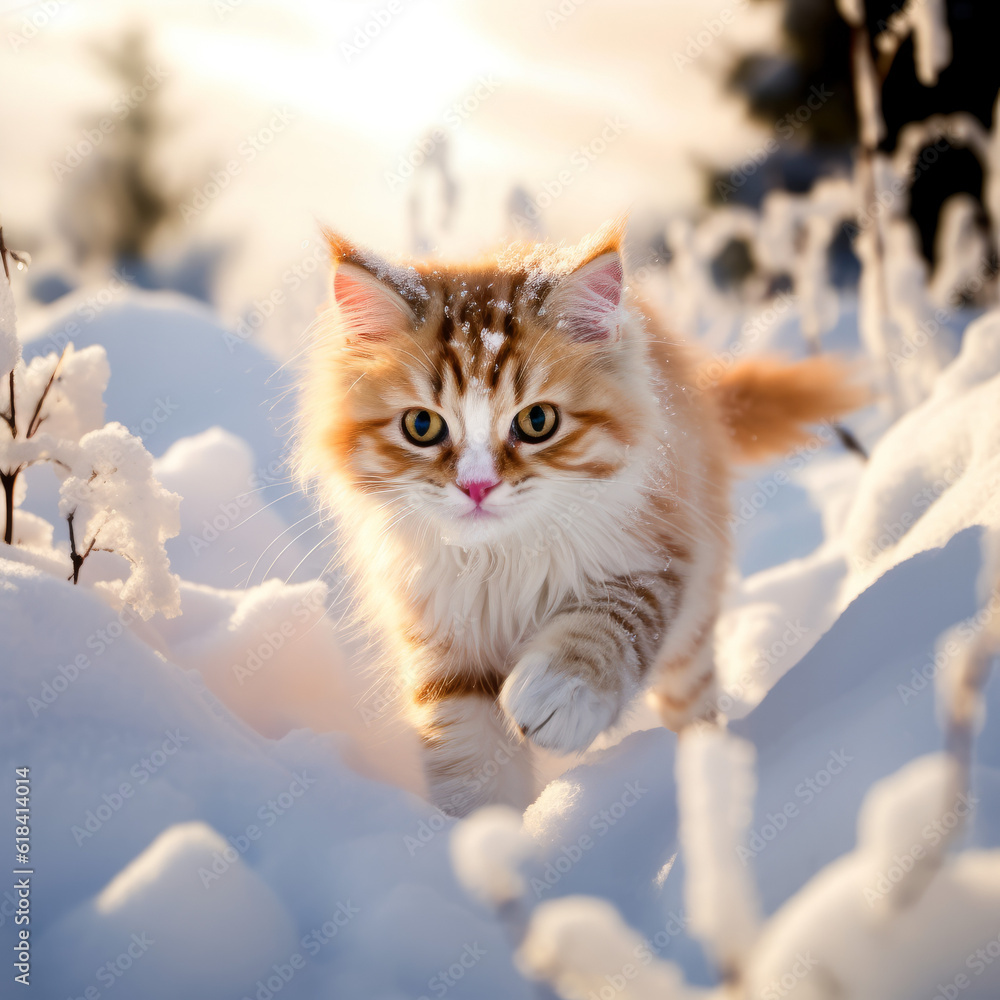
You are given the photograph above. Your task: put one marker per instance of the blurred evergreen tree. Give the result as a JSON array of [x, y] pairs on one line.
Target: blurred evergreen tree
[[115, 202], [815, 54]]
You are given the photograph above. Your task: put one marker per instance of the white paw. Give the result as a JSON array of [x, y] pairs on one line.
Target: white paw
[[555, 710]]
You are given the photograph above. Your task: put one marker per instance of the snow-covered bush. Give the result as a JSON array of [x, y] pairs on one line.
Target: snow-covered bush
[[895, 918], [52, 411], [902, 312]]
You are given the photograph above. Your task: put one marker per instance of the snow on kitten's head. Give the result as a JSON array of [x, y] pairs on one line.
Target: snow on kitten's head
[[481, 400]]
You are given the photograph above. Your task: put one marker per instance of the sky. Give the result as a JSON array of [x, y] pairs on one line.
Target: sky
[[589, 108]]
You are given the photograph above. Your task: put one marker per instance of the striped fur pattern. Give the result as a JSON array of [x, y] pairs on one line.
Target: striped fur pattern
[[590, 570]]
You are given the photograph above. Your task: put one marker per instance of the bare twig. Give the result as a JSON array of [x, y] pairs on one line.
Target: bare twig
[[10, 417], [850, 442], [75, 556], [22, 258], [36, 417], [3, 255], [7, 481]]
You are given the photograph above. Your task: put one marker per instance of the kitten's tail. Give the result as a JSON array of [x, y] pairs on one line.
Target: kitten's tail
[[767, 404]]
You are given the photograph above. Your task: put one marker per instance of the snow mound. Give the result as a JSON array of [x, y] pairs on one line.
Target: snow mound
[[932, 475], [171, 901], [893, 917]]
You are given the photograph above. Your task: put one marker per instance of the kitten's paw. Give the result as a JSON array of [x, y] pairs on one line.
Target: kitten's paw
[[555, 709]]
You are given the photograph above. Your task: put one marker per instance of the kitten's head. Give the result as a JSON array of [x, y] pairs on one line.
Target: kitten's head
[[480, 401]]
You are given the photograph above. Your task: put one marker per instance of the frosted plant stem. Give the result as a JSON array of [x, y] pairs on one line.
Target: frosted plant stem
[[10, 417], [75, 556], [871, 127], [7, 480], [3, 255], [36, 417], [972, 672]]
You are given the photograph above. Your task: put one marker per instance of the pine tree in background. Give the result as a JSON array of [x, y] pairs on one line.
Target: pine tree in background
[[815, 55], [115, 201]]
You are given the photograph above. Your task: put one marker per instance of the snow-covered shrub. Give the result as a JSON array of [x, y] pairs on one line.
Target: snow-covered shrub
[[52, 411], [895, 918], [114, 502]]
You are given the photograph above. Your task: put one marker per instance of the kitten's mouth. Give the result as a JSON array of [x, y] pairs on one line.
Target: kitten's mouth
[[478, 514]]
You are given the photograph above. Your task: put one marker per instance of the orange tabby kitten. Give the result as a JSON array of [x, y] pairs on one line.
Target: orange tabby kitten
[[532, 486]]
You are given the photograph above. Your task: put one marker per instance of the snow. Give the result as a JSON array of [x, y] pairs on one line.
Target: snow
[[263, 684], [487, 850], [136, 912], [73, 404], [581, 946], [226, 800], [931, 38], [117, 505], [837, 931], [715, 786]]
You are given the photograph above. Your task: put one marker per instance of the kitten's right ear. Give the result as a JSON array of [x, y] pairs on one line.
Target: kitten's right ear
[[375, 299]]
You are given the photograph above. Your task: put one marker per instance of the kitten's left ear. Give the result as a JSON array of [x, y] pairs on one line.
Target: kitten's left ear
[[587, 300], [376, 299]]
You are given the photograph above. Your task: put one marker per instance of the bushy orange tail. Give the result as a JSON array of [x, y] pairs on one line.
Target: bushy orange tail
[[768, 404]]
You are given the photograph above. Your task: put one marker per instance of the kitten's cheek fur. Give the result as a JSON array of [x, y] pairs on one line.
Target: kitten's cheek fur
[[555, 709]]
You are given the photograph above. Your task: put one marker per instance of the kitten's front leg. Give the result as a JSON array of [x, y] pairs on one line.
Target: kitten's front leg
[[586, 664]]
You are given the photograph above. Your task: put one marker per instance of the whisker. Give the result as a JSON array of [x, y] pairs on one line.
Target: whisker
[[311, 514]]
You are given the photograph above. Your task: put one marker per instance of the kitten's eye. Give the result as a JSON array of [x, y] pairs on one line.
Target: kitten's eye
[[536, 423], [424, 427]]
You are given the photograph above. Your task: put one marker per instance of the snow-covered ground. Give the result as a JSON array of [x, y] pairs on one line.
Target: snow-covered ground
[[223, 803]]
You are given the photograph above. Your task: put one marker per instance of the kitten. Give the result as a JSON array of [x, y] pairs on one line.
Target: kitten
[[532, 486]]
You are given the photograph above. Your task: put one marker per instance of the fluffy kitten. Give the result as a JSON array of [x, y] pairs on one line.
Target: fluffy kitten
[[532, 486]]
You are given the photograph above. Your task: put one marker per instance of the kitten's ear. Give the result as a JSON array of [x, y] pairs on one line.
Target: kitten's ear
[[375, 299], [587, 300]]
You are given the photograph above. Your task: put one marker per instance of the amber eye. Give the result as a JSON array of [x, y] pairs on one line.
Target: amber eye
[[536, 423], [424, 427]]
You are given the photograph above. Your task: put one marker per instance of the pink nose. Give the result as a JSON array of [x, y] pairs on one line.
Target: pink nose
[[478, 490]]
